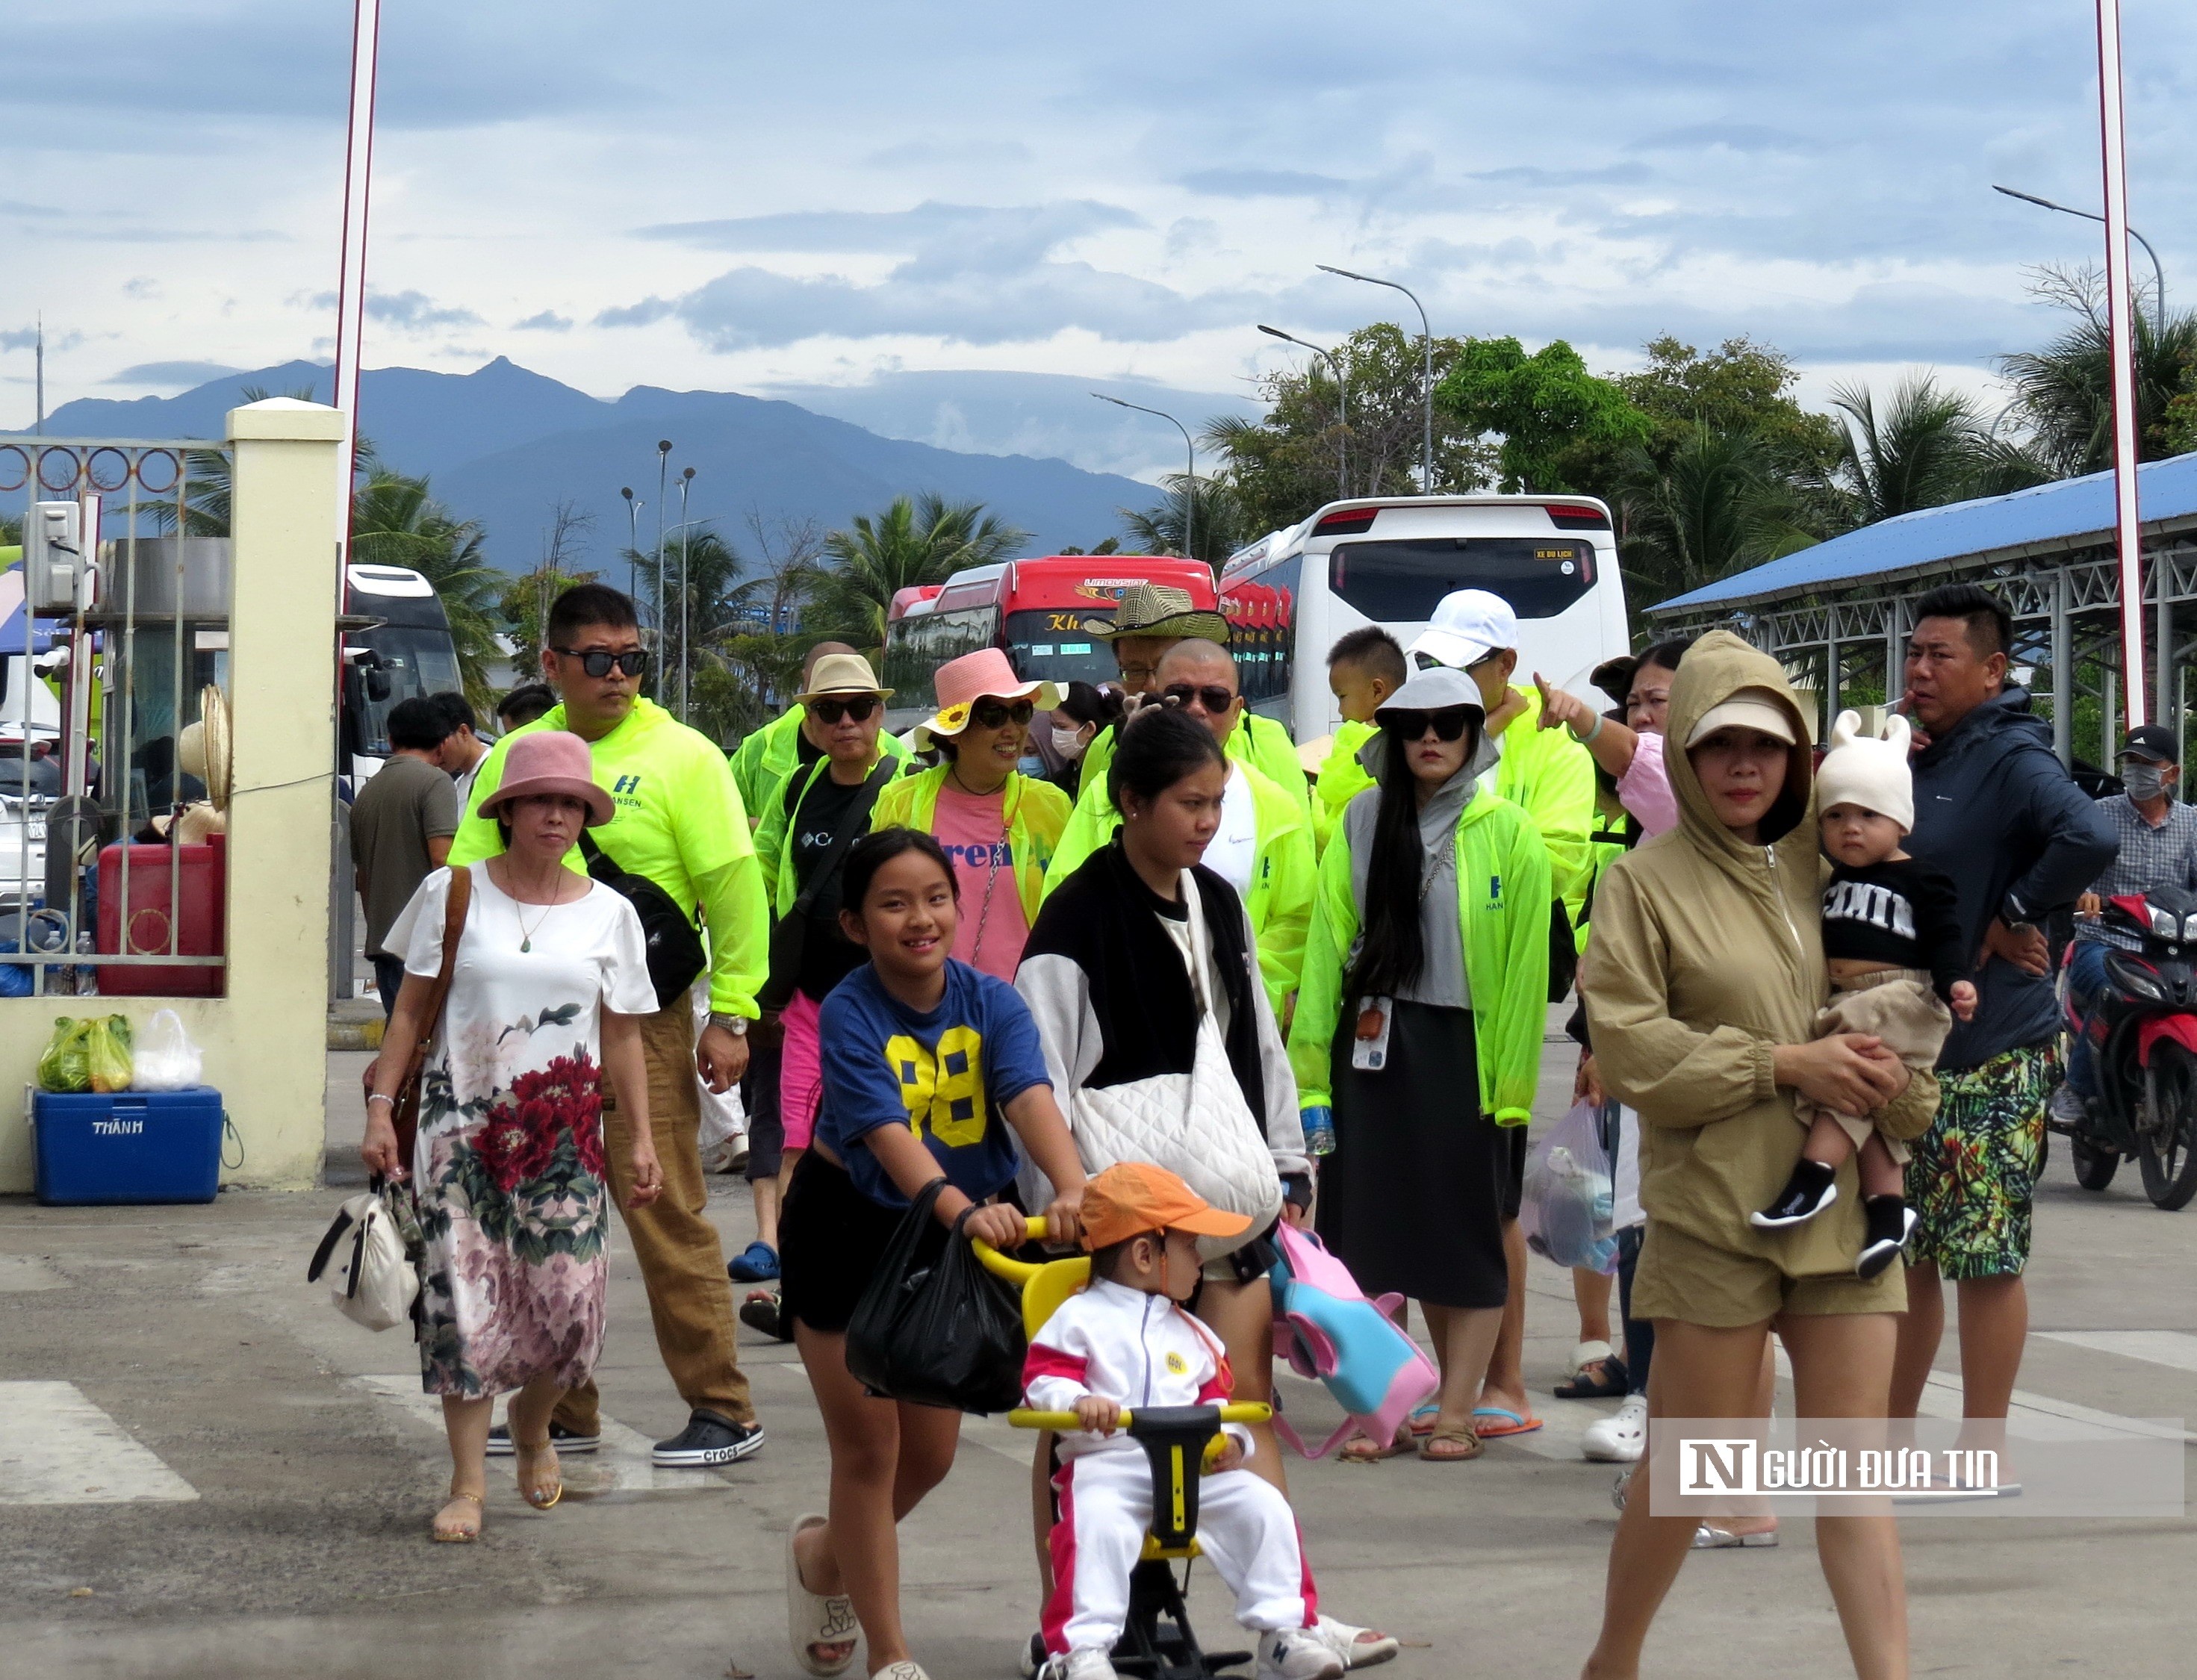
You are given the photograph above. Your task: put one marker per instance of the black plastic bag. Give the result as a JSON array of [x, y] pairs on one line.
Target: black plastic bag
[[934, 1328]]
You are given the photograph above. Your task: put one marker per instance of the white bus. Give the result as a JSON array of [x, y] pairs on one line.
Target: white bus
[[1388, 560]]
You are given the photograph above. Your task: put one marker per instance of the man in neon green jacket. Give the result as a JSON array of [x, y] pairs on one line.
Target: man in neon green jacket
[[766, 756], [1543, 771], [1264, 846]]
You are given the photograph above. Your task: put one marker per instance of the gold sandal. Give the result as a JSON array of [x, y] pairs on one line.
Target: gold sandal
[[452, 1537], [536, 1496]]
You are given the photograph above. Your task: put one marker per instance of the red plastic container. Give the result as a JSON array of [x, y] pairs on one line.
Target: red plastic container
[[196, 911]]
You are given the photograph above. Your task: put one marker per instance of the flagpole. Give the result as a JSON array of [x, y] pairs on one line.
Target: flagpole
[[2128, 534], [351, 285]]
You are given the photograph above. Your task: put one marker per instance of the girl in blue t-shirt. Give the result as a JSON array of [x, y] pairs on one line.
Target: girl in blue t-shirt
[[923, 1060]]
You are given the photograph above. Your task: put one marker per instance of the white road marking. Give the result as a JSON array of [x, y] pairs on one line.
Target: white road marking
[[2175, 1349], [2038, 1416], [621, 1465], [57, 1448]]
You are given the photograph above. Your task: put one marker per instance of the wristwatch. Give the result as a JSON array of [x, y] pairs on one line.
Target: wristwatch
[[736, 1025]]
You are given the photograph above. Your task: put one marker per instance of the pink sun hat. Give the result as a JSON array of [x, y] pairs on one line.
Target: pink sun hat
[[550, 761], [985, 674]]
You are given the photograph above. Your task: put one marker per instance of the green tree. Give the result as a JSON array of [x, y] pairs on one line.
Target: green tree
[[1285, 466], [1716, 503], [1214, 513], [396, 521], [924, 539], [524, 601], [1552, 415], [2063, 393], [1923, 448]]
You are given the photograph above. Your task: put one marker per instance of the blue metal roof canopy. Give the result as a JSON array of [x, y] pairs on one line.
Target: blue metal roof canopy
[[2051, 519]]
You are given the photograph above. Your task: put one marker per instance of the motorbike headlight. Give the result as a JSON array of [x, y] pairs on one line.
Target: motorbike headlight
[[2135, 977], [2162, 923], [2189, 930]]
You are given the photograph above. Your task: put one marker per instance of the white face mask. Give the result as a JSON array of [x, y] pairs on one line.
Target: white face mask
[[1068, 743]]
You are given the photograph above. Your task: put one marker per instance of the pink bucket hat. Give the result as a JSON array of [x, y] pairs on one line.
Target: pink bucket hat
[[550, 761], [984, 675]]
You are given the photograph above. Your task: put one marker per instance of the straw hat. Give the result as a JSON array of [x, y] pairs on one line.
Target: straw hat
[[1157, 610], [549, 761], [202, 749], [984, 675], [843, 674]]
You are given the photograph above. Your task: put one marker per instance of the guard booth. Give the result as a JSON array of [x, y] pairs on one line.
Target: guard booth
[[167, 753]]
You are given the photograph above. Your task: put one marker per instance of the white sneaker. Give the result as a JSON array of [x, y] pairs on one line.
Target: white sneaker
[[1298, 1655], [1620, 1438], [1086, 1662]]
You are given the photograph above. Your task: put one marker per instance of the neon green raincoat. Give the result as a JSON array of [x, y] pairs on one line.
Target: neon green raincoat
[[1035, 812]]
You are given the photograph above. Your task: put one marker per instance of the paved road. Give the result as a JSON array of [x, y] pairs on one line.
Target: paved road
[[205, 1472]]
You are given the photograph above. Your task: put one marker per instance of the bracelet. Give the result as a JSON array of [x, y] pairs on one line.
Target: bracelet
[[1584, 739], [376, 1097]]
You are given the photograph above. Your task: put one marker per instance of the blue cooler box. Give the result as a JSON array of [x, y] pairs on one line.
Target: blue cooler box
[[128, 1145]]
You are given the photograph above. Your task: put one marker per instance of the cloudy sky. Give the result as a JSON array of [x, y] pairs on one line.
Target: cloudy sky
[[713, 194]]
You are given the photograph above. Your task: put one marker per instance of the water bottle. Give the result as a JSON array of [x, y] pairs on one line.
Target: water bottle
[[1319, 1131]]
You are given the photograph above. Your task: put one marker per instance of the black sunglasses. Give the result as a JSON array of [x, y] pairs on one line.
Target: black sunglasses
[[1449, 723], [1213, 697], [990, 713], [597, 663], [830, 711]]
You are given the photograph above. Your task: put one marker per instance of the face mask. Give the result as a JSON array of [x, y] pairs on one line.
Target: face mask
[[1069, 744], [2143, 781]]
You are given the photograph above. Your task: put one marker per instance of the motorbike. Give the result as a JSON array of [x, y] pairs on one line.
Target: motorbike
[[2142, 1029]]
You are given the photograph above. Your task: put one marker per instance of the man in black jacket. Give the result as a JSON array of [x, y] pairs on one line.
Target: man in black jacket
[[1996, 811]]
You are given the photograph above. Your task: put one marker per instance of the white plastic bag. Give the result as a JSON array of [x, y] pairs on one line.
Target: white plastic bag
[[1568, 1195], [166, 1059], [724, 1117]]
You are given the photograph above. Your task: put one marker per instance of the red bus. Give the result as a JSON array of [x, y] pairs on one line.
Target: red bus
[[1034, 610]]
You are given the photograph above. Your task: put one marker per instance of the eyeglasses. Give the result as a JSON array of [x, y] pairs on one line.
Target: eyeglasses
[[858, 707], [990, 713], [1449, 723], [1140, 673], [1212, 696], [597, 663]]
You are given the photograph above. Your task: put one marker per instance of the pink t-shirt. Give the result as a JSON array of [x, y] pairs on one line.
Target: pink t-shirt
[[970, 828], [1644, 789]]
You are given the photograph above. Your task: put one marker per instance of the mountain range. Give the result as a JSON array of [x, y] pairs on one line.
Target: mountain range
[[503, 446]]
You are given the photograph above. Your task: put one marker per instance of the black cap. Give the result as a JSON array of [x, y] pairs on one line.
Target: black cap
[[2152, 742]]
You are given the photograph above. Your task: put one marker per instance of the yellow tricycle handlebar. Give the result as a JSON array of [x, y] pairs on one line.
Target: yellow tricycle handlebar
[[1017, 1272], [1236, 1411]]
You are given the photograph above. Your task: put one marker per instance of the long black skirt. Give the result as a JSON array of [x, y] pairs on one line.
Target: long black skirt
[[1414, 1198]]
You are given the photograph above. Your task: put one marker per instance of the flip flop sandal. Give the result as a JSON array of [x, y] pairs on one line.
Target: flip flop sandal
[[1361, 1448], [1464, 1438], [1709, 1537], [1423, 1420], [1516, 1425], [459, 1537], [541, 1498], [1358, 1647], [813, 1618], [1596, 1382], [906, 1669]]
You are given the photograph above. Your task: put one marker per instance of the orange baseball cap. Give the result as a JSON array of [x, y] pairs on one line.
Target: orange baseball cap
[[1132, 1197]]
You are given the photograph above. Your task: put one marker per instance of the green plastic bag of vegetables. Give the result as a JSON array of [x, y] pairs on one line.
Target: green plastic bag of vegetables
[[65, 1064], [107, 1047]]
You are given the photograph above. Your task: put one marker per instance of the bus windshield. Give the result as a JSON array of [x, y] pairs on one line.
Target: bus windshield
[[1401, 582], [1052, 646]]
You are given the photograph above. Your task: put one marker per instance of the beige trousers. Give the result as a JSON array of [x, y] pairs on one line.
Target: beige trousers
[[1897, 1005]]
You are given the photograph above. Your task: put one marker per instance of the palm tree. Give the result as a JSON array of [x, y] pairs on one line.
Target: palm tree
[[394, 521], [1923, 448], [1217, 528], [923, 541], [1717, 505], [2064, 391]]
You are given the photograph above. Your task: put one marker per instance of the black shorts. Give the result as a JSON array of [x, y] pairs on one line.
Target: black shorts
[[766, 1123], [832, 1238]]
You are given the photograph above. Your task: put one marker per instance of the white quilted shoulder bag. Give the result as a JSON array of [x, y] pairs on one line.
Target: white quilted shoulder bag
[[1196, 1125]]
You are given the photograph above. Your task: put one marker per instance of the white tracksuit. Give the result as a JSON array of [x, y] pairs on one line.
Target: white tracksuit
[[1142, 1350]]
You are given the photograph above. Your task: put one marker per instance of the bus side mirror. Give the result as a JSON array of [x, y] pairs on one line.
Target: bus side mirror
[[377, 686]]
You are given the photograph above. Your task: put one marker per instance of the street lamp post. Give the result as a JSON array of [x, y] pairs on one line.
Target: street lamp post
[[1341, 405], [662, 468], [1427, 372], [1189, 487], [632, 539], [686, 589], [2157, 273]]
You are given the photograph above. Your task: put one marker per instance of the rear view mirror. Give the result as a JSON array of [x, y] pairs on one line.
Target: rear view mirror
[[377, 687]]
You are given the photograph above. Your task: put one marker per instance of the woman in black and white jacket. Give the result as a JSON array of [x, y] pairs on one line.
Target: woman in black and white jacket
[[1127, 960]]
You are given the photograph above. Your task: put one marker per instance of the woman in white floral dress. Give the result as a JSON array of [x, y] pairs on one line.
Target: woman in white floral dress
[[508, 1170]]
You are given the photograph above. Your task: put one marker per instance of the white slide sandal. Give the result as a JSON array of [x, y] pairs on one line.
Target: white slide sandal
[[812, 1618]]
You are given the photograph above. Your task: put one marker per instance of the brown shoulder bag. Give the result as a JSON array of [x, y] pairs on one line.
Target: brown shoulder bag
[[405, 1114]]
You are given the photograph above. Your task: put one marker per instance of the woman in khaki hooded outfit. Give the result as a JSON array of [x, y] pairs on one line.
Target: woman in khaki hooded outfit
[[1702, 985]]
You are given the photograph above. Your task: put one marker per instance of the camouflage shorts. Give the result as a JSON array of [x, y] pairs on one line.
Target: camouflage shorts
[[1975, 1170]]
